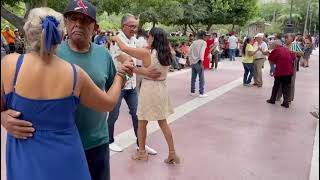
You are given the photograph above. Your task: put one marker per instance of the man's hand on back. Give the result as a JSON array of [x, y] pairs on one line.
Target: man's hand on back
[[20, 129]]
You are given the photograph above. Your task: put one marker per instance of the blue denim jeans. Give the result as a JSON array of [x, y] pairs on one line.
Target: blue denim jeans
[[131, 98], [197, 69], [232, 54], [248, 72], [177, 62]]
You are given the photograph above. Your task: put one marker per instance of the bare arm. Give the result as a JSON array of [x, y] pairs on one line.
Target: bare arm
[[95, 98], [147, 72], [123, 58], [298, 53], [139, 53], [18, 128]]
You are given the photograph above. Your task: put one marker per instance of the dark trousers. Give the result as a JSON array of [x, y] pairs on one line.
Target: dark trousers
[[12, 47], [215, 59], [98, 159], [131, 98], [284, 82]]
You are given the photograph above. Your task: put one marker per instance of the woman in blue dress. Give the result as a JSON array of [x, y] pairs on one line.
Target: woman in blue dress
[[47, 90]]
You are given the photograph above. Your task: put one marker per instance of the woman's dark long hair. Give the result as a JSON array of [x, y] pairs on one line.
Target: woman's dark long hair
[[246, 42], [161, 45]]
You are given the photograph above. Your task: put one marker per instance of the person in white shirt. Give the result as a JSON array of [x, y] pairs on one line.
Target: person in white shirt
[[233, 44], [214, 49], [141, 42], [259, 58], [129, 26], [196, 57]]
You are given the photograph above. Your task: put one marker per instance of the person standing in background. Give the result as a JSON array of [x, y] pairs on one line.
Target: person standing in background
[[196, 56], [215, 51], [10, 39], [233, 44], [206, 60]]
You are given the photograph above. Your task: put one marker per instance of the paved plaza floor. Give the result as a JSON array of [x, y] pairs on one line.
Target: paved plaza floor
[[231, 135]]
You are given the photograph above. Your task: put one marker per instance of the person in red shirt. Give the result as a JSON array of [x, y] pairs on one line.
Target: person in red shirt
[[283, 60], [206, 61]]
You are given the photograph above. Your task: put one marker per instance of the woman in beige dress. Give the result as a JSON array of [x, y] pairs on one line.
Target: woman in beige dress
[[154, 102]]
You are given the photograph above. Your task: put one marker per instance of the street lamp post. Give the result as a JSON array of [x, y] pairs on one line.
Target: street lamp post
[[306, 21], [310, 21], [290, 19], [289, 26]]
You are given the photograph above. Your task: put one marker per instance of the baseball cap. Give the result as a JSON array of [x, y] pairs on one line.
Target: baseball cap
[[261, 35], [81, 6]]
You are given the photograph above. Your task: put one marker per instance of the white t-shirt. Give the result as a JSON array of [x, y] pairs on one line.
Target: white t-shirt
[[233, 42]]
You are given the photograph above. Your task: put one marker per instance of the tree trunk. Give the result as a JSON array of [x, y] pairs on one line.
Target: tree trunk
[[232, 27], [17, 21], [209, 27], [153, 24], [185, 29], [192, 29]]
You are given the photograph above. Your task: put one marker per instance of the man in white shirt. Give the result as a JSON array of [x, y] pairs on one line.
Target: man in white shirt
[[233, 44], [196, 57], [141, 42], [129, 26], [259, 58]]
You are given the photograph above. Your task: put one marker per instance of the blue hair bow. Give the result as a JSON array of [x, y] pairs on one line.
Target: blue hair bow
[[52, 34]]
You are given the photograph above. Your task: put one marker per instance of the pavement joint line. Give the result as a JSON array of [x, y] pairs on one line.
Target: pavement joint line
[[127, 138]]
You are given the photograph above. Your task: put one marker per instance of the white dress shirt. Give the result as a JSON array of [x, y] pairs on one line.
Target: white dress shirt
[[131, 83]]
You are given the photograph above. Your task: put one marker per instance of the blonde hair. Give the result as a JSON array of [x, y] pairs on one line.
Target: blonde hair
[[34, 31]]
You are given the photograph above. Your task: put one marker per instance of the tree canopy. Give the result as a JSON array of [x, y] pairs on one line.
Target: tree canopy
[[189, 14]]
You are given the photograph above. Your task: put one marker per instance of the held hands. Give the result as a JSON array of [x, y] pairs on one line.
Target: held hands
[[125, 69]]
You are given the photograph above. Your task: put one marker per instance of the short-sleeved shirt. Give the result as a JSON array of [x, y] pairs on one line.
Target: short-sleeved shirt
[[259, 54], [247, 58], [97, 62], [197, 51], [233, 42]]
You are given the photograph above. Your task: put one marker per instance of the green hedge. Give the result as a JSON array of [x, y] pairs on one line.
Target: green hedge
[[178, 39]]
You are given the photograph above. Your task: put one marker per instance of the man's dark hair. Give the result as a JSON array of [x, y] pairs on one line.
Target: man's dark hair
[[201, 34]]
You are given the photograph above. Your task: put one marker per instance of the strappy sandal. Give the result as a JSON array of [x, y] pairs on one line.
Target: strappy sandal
[[140, 156], [173, 158]]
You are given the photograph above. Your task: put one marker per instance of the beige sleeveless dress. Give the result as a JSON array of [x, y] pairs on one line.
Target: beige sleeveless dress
[[154, 102]]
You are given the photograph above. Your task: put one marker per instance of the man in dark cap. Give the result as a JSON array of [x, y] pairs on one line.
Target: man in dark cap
[[80, 21]]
